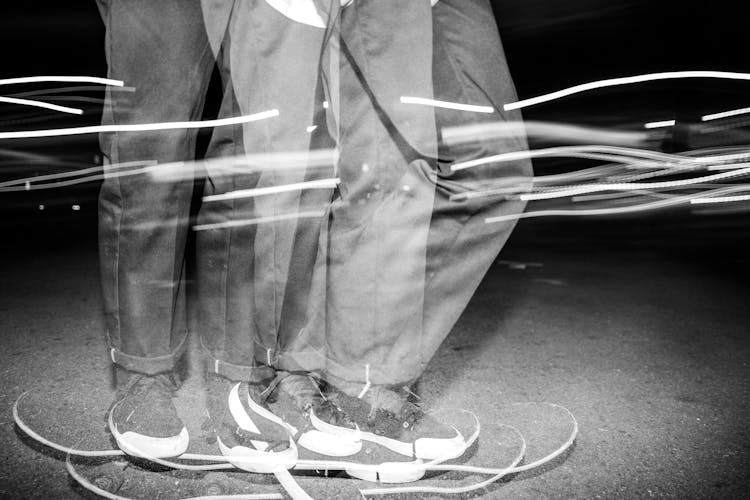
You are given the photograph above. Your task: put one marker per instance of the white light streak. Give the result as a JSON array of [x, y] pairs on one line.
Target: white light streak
[[41, 104], [661, 124], [260, 220], [75, 88], [677, 200], [720, 199], [584, 151], [87, 178], [631, 186], [725, 114], [669, 75], [67, 79], [138, 127], [37, 179], [447, 105], [252, 193], [573, 134], [311, 129]]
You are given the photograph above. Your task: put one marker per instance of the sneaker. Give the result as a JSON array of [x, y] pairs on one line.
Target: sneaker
[[378, 464], [247, 432], [387, 418], [300, 400], [144, 420]]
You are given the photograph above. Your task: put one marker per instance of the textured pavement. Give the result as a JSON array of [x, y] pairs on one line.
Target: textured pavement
[[640, 330]]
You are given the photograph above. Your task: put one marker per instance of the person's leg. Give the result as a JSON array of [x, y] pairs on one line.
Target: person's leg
[[372, 322], [255, 253], [378, 227], [420, 254], [378, 233], [469, 68], [275, 65], [159, 49]]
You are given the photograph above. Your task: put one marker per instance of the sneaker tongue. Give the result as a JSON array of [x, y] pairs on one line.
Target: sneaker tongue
[[381, 398]]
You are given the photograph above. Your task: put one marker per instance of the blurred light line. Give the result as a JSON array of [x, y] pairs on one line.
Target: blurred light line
[[75, 173], [251, 193], [559, 131], [41, 104], [725, 114], [677, 200], [259, 220], [447, 105], [630, 186], [720, 199], [89, 178], [96, 129], [72, 88], [612, 82], [569, 151], [70, 79], [661, 124]]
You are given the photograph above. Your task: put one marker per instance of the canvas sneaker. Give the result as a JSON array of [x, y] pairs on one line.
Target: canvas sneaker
[[388, 418], [251, 436], [144, 420], [300, 401]]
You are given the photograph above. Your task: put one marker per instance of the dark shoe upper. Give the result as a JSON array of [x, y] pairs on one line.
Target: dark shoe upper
[[144, 420], [388, 418], [300, 402]]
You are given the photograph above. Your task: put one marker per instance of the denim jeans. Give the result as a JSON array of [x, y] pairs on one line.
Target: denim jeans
[[366, 291], [403, 256]]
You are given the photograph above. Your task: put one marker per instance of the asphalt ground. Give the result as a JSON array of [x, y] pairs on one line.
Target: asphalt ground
[[639, 327]]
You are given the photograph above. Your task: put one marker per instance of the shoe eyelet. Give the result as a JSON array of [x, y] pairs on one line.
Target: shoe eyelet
[[405, 425]]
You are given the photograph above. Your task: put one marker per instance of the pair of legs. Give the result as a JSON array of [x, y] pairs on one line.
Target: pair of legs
[[166, 51], [364, 293]]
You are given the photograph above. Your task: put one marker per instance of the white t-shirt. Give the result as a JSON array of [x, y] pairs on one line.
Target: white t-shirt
[[304, 11]]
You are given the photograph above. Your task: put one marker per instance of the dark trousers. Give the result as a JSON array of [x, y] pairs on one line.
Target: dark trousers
[[372, 286]]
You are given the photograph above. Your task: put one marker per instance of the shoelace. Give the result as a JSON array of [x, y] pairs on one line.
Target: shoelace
[[302, 387], [139, 384]]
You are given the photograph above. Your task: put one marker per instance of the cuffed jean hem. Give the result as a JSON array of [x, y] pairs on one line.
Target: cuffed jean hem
[[149, 365], [345, 376], [306, 361], [239, 373]]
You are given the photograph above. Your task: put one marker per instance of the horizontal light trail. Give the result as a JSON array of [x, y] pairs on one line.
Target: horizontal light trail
[[630, 186], [103, 174], [147, 127], [677, 200], [259, 220], [612, 82], [76, 173], [725, 114], [721, 199], [246, 164], [264, 191], [661, 124], [41, 104], [75, 98], [645, 192], [619, 196], [447, 105], [572, 134], [73, 88], [572, 151], [66, 79]]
